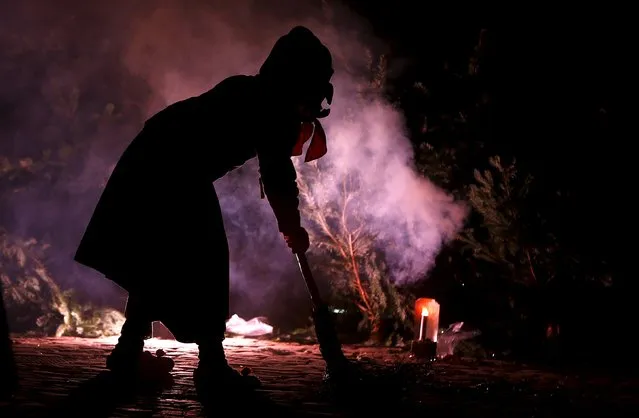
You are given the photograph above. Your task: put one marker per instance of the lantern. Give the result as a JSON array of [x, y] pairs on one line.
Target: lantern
[[426, 328]]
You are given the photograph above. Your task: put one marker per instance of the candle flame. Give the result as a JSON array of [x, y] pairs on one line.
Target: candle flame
[[424, 312]]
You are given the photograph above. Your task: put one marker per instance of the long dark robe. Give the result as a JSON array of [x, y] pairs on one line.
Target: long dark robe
[[157, 230]]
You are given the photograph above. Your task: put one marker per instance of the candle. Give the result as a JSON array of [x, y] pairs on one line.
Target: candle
[[421, 325]]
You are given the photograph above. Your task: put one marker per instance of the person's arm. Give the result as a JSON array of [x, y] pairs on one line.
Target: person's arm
[[279, 180]]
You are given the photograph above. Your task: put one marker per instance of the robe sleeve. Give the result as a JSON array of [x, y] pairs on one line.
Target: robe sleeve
[[279, 181]]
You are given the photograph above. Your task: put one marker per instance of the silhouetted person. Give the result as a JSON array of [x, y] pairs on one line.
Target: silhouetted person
[[8, 375], [157, 230]]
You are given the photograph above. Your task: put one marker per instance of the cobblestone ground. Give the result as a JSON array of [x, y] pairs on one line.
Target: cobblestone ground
[[66, 377]]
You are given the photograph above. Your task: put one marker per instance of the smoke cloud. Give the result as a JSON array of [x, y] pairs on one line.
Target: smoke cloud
[[120, 62]]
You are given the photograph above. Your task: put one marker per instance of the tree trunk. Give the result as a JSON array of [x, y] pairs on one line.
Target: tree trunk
[[379, 332]]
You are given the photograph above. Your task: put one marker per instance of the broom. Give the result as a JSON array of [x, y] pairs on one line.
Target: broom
[[329, 344]]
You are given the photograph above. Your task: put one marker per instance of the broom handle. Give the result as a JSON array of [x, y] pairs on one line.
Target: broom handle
[[329, 343], [305, 269]]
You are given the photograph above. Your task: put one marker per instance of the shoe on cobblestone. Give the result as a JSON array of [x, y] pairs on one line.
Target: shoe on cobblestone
[[342, 373], [141, 364], [223, 376], [7, 391]]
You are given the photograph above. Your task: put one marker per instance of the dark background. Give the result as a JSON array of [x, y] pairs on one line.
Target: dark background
[[555, 105]]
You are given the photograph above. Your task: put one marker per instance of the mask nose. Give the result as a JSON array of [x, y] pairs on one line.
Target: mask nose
[[330, 90], [325, 111]]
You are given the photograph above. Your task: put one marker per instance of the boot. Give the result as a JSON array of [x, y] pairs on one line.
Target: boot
[[214, 373], [8, 380], [128, 358], [139, 363]]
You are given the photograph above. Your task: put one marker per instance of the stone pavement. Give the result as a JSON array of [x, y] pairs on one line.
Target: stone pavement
[[65, 377]]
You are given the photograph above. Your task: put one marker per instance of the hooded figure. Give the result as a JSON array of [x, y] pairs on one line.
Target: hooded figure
[[157, 230]]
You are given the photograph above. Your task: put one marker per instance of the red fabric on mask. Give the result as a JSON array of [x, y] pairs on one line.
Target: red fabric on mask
[[314, 132]]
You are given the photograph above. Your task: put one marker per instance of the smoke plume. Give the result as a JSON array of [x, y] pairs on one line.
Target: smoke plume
[[120, 62]]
